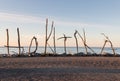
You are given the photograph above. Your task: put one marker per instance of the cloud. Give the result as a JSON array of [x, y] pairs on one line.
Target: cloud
[[17, 18]]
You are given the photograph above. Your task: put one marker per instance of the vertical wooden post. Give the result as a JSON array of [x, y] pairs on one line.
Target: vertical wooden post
[[65, 39], [76, 41], [46, 36], [19, 41], [54, 41], [8, 42]]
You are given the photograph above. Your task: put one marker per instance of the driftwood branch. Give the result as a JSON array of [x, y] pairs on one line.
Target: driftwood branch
[[109, 41], [84, 42], [50, 47], [36, 43], [65, 39], [76, 40], [46, 35], [19, 41], [8, 42], [50, 31], [15, 47], [54, 42]]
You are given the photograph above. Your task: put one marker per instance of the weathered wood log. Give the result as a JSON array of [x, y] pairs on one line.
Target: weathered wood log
[[19, 41], [8, 42]]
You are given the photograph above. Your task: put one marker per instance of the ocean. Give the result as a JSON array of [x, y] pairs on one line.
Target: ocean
[[59, 50]]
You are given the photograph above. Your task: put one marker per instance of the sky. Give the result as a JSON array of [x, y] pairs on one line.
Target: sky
[[95, 16]]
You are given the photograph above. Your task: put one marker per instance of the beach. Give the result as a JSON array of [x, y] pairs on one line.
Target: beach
[[60, 69]]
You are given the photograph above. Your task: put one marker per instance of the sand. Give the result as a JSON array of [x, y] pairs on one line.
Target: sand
[[60, 69]]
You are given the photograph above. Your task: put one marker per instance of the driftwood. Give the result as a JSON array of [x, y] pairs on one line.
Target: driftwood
[[54, 42], [84, 42], [15, 47], [19, 41], [65, 39], [19, 46], [36, 43], [47, 37], [107, 40], [76, 40], [50, 47], [8, 42]]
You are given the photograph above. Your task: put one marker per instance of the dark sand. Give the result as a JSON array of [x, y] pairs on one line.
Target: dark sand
[[60, 69]]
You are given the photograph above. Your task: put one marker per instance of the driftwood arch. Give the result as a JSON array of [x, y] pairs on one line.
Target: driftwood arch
[[36, 43], [107, 40]]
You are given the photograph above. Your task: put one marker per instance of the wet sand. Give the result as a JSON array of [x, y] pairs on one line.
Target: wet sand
[[60, 69]]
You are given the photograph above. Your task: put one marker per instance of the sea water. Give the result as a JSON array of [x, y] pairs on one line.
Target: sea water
[[59, 50]]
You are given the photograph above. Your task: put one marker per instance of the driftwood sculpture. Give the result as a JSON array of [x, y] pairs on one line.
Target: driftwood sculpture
[[84, 42], [47, 37], [19, 46], [65, 39], [36, 43], [107, 40], [76, 40]]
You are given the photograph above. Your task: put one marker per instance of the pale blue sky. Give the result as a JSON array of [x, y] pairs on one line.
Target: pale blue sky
[[96, 16]]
